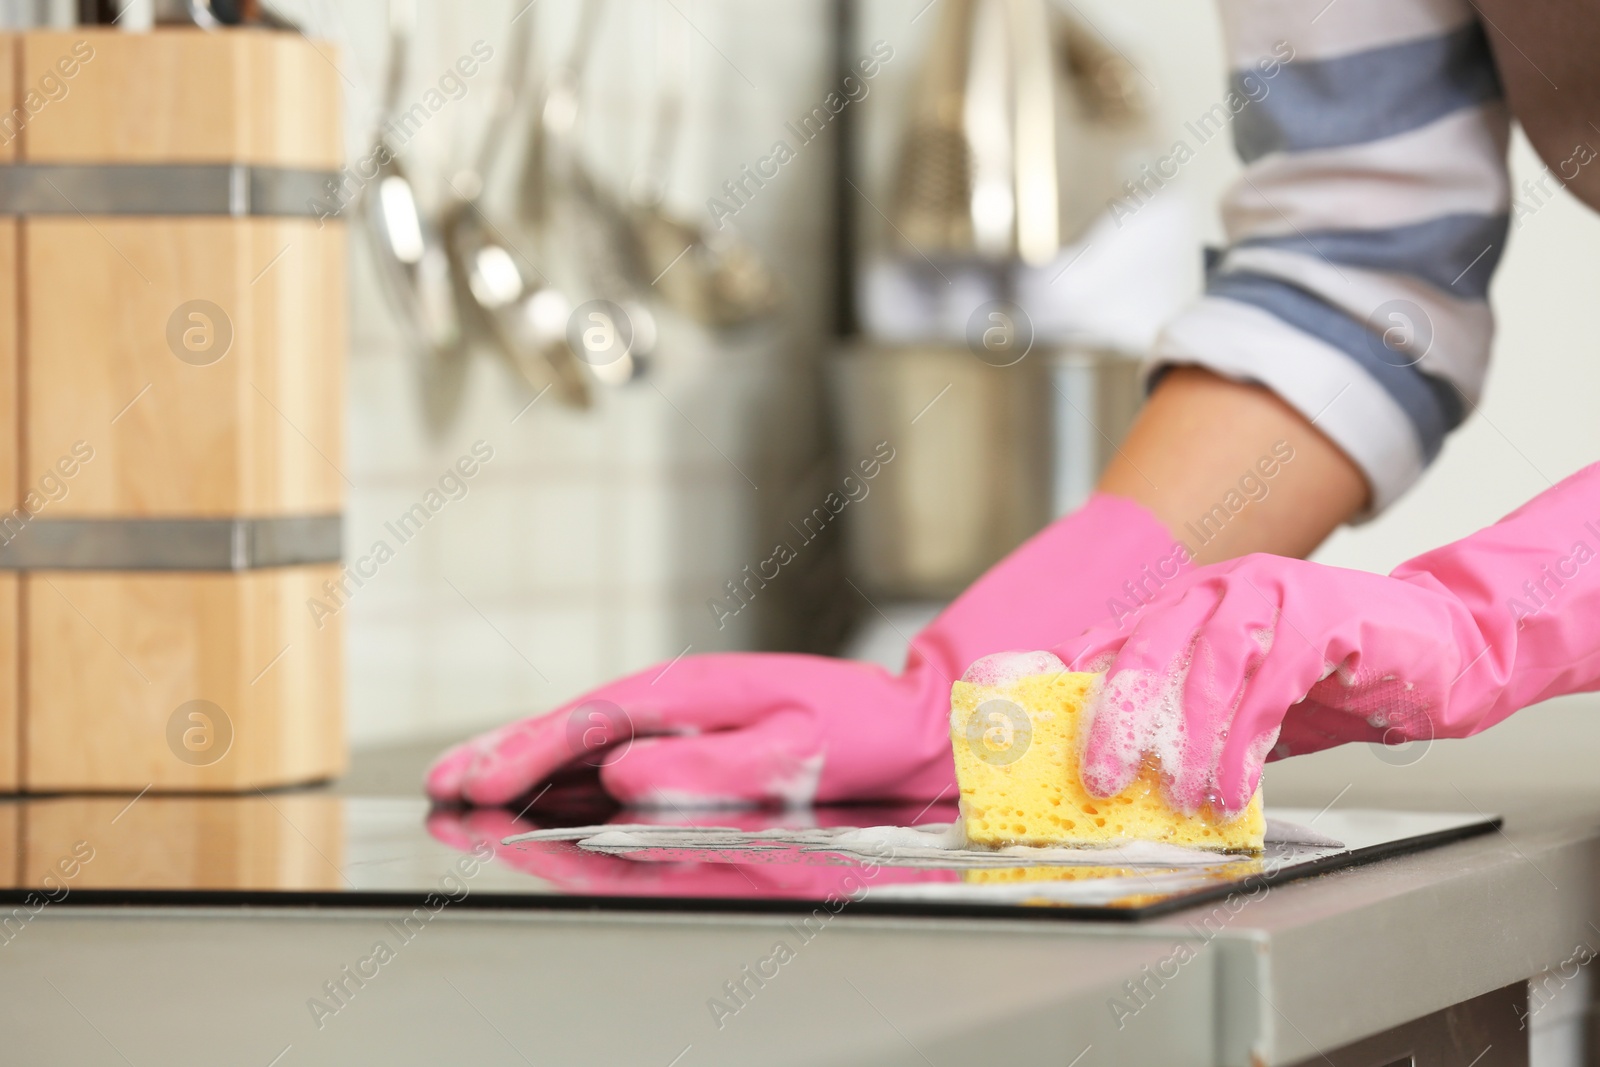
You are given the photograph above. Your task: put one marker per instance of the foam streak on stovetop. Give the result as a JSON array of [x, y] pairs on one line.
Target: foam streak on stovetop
[[928, 868], [929, 845]]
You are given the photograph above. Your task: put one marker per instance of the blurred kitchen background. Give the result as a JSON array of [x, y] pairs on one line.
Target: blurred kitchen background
[[591, 545], [592, 542]]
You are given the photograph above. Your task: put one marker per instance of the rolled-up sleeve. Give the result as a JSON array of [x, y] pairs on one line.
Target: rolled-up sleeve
[[1364, 229]]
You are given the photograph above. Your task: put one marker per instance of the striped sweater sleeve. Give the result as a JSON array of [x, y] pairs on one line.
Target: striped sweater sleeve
[[1365, 227]]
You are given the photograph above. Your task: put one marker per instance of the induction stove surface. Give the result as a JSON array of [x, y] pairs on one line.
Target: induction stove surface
[[317, 849]]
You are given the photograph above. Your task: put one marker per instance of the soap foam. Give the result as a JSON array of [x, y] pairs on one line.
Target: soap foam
[[1087, 893], [1002, 669], [799, 788], [1263, 744], [1146, 707], [931, 845], [936, 845]]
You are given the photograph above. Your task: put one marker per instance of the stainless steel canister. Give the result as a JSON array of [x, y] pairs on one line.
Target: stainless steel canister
[[1096, 394], [983, 455]]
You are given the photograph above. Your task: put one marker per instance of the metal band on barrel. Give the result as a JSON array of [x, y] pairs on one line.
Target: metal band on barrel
[[234, 189], [171, 544]]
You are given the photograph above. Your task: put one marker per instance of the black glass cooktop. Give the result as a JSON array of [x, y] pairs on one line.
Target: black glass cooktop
[[316, 849]]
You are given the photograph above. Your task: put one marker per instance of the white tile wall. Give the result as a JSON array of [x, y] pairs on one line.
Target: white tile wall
[[588, 545]]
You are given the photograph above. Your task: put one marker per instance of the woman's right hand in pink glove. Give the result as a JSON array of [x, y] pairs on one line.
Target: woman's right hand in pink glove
[[762, 728], [1448, 644]]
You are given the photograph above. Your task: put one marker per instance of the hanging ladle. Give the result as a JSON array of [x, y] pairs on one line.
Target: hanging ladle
[[412, 262], [616, 335], [524, 317], [711, 275]]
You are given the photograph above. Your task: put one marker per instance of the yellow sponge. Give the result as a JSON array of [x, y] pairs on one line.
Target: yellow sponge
[[1041, 873], [1016, 749]]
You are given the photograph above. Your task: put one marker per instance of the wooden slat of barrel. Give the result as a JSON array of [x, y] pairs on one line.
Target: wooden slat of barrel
[[258, 432], [185, 96], [113, 656], [10, 648], [10, 655]]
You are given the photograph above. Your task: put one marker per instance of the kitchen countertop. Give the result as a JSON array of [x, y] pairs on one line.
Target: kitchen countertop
[[1308, 967], [1301, 969]]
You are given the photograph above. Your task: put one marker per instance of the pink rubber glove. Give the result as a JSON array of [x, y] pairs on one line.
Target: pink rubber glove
[[1447, 645], [749, 728]]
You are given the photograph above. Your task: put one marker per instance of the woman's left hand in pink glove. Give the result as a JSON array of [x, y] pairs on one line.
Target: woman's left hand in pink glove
[[1267, 655]]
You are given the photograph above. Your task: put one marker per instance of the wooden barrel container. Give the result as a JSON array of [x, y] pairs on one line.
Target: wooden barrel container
[[172, 332]]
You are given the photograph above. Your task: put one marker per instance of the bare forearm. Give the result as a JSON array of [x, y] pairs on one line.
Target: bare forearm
[[1231, 469]]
